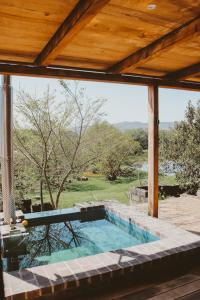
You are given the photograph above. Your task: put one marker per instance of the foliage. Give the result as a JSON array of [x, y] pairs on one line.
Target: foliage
[[115, 148], [127, 171], [51, 135], [141, 136], [181, 146], [25, 177]]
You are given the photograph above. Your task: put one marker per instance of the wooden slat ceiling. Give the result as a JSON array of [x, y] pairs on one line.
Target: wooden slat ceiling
[[116, 36], [26, 26]]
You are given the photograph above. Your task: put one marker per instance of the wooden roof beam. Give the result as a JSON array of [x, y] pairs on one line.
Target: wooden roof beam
[[98, 76], [80, 16], [141, 56], [183, 73]]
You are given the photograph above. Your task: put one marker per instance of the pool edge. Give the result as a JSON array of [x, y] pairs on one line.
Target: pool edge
[[175, 243]]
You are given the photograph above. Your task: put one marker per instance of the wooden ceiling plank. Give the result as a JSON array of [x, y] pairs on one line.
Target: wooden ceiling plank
[[77, 74], [160, 45], [184, 73], [80, 16]]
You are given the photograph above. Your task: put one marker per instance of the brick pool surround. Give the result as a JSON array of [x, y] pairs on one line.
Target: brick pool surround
[[51, 279]]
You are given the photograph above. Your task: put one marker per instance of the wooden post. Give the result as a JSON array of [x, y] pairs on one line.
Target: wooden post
[[2, 295], [6, 150], [153, 149]]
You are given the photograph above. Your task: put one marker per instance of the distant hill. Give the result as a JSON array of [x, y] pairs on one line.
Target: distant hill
[[133, 125]]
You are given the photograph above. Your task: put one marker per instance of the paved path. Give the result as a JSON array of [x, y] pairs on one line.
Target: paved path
[[183, 211]]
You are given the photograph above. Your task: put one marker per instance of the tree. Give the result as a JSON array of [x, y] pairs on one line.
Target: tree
[[25, 177], [141, 136], [115, 148], [51, 135], [181, 146]]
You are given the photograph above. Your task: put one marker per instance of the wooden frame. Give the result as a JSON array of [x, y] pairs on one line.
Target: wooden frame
[[7, 151], [183, 73], [153, 149], [80, 16], [91, 75], [151, 82], [141, 56]]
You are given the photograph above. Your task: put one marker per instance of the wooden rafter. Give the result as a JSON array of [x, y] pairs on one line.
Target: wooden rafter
[[85, 74], [80, 16], [185, 72], [141, 56]]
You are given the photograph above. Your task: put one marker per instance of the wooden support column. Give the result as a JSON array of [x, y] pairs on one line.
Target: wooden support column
[[6, 150], [153, 149]]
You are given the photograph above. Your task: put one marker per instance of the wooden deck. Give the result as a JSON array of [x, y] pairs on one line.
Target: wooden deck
[[184, 286]]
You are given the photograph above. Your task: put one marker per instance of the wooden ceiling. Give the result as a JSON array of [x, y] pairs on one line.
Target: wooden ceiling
[[158, 39]]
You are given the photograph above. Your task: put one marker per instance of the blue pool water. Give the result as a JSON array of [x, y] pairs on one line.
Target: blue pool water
[[57, 242]]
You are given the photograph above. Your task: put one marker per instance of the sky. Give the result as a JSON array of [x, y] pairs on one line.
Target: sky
[[124, 102]]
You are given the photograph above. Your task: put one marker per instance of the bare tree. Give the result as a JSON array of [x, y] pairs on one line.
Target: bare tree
[[52, 135]]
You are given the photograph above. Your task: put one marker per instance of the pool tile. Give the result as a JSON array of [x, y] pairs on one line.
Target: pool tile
[[44, 283], [174, 244]]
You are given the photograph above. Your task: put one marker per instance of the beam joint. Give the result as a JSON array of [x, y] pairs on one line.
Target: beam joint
[[157, 47], [184, 73], [81, 15]]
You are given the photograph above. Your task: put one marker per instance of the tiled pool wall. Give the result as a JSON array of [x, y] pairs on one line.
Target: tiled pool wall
[[175, 247], [54, 242], [126, 225]]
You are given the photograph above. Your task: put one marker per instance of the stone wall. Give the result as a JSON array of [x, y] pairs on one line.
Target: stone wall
[[140, 193]]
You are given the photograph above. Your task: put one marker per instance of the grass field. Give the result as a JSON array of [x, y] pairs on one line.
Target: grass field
[[97, 188]]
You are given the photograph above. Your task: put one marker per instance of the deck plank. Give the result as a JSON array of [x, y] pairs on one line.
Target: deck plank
[[178, 292], [193, 296], [154, 291]]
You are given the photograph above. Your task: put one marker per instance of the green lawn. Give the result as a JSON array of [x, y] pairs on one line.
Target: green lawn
[[97, 188], [167, 180]]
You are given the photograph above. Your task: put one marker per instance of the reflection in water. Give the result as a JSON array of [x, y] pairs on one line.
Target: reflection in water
[[46, 239], [64, 241], [42, 241]]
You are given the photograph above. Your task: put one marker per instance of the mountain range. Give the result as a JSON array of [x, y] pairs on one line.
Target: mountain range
[[135, 125]]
